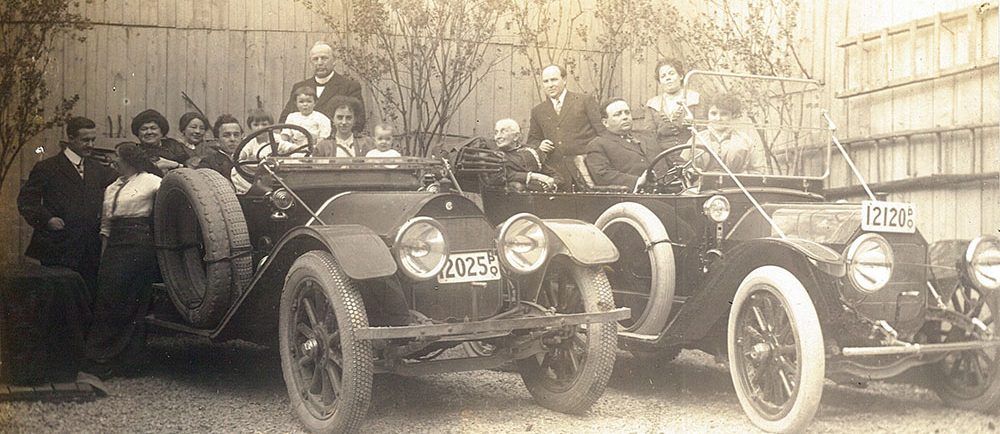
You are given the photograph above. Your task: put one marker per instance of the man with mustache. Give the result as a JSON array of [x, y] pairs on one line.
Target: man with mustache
[[62, 202], [617, 156]]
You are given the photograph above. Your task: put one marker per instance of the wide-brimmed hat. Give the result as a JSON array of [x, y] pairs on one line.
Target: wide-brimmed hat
[[147, 116]]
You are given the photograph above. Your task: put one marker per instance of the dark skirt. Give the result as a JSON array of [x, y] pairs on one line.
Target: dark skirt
[[117, 337]]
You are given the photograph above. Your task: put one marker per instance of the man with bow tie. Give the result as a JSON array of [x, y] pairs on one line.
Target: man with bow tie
[[561, 126], [618, 156], [62, 202], [327, 84]]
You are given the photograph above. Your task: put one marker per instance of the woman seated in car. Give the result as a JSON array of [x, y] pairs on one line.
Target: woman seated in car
[[733, 145], [344, 143]]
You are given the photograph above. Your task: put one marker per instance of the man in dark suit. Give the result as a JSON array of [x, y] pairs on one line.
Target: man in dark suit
[[562, 126], [62, 202], [328, 84], [617, 157]]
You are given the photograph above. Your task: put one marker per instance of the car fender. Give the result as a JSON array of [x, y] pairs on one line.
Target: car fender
[[826, 259], [359, 251], [581, 242]]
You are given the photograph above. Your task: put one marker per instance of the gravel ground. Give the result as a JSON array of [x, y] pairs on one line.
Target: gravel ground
[[195, 386]]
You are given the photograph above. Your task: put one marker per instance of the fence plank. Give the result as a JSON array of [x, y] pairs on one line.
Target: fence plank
[[235, 73]]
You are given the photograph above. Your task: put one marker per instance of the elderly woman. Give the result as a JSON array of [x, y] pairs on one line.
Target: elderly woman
[[344, 142], [666, 112], [151, 128], [116, 341], [193, 127]]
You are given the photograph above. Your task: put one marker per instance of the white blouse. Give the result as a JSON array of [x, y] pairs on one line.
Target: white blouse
[[129, 197], [672, 103]]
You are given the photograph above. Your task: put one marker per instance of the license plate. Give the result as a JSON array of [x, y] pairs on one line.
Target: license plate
[[877, 216], [470, 267]]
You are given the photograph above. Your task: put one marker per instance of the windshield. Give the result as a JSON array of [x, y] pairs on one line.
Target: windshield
[[766, 126]]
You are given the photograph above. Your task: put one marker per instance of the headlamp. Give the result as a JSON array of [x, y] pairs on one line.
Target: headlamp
[[982, 262], [523, 244], [716, 208], [869, 262]]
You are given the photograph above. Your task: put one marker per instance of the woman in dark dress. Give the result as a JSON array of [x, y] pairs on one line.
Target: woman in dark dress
[[151, 128], [116, 341]]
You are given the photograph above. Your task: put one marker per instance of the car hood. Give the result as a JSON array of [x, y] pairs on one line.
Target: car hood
[[824, 223], [385, 212]]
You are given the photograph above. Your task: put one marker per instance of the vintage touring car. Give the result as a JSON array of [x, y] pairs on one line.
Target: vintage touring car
[[354, 266], [761, 270]]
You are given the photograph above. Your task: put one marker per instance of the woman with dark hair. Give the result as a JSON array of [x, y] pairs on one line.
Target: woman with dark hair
[[193, 127], [666, 111], [151, 128], [116, 341], [344, 142]]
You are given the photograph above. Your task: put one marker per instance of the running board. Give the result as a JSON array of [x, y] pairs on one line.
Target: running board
[[639, 337]]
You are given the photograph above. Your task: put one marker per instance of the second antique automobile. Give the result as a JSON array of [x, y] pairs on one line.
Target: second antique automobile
[[761, 270], [353, 267]]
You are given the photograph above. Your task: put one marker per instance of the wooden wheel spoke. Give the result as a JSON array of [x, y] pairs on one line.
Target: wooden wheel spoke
[[331, 371], [333, 340], [310, 312], [785, 382], [759, 316], [302, 362], [304, 330], [574, 364]]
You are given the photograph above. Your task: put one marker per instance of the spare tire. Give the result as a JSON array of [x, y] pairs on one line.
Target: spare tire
[[203, 245], [641, 238]]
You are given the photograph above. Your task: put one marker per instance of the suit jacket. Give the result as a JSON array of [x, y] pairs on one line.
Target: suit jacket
[[54, 189], [338, 85], [615, 160], [577, 123]]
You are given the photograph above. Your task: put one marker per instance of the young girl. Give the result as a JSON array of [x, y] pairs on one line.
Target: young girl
[[313, 121]]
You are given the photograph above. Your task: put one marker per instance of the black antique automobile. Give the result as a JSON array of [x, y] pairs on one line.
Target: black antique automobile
[[761, 270], [353, 267]]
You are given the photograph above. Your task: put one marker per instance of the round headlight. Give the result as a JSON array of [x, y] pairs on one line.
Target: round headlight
[[982, 260], [869, 262], [523, 245], [716, 208], [282, 199], [420, 248]]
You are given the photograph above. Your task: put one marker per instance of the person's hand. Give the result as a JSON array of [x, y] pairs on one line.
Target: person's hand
[[640, 182], [547, 181], [165, 164], [546, 146], [56, 224]]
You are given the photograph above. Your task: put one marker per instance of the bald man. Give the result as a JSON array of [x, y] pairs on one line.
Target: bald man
[[328, 84]]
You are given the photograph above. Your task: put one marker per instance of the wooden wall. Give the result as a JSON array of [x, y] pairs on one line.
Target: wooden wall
[[225, 53]]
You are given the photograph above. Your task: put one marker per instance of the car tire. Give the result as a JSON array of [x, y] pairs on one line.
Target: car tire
[[773, 318], [653, 317], [202, 243], [320, 310], [969, 380], [572, 374]]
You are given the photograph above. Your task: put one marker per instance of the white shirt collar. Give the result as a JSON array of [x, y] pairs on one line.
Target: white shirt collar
[[321, 81], [72, 156], [561, 99]]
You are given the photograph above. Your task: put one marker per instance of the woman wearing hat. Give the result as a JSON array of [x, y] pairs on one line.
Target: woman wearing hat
[[116, 341], [151, 128]]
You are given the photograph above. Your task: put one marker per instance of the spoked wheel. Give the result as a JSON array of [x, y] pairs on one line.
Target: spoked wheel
[[969, 379], [776, 356], [327, 370], [571, 375]]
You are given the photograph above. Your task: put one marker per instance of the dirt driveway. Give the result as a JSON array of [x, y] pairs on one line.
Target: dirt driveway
[[194, 386]]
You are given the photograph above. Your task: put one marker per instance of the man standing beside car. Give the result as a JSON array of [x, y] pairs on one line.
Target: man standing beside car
[[617, 156], [328, 84], [62, 202], [562, 126]]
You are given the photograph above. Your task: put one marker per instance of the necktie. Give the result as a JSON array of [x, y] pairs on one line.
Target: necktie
[[557, 105], [79, 168]]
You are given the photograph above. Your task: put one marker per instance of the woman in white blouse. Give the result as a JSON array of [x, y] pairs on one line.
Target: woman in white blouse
[[116, 342], [666, 111]]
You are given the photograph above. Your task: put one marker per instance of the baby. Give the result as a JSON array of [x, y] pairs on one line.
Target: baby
[[383, 142], [313, 121]]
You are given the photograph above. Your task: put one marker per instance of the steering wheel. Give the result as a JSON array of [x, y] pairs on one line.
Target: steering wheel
[[673, 180], [273, 144]]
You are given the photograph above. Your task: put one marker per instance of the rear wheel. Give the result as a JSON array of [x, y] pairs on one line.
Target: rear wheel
[[572, 374], [970, 379], [327, 370], [776, 356]]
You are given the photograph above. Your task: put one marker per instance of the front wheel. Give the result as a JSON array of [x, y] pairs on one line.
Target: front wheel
[[572, 374], [776, 356], [328, 371], [970, 379]]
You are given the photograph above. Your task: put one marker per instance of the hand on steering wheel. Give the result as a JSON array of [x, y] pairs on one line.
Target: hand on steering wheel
[[273, 144], [672, 178]]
